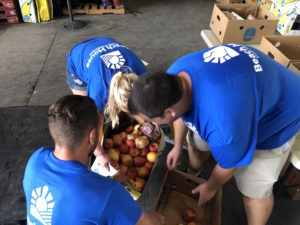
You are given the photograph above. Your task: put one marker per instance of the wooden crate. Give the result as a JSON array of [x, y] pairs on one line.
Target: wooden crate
[[96, 9]]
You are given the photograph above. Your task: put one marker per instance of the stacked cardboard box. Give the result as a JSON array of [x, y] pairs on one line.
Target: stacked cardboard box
[[283, 49], [252, 23]]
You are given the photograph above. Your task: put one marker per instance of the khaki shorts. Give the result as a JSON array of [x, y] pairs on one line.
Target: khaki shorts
[[257, 179]]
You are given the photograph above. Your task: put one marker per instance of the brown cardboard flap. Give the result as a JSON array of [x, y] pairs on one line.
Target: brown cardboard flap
[[175, 196], [282, 49], [295, 66]]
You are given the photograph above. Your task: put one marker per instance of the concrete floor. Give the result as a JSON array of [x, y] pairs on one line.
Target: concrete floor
[[32, 76]]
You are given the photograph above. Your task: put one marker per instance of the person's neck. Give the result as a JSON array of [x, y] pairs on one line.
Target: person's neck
[[67, 154]]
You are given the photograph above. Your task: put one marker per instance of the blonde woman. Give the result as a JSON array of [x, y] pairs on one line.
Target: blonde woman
[[98, 65]]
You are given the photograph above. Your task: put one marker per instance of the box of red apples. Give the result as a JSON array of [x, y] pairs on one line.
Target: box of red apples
[[179, 205], [132, 152]]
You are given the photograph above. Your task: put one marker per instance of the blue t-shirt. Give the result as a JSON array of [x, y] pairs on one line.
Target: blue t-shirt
[[96, 60], [66, 192], [242, 101]]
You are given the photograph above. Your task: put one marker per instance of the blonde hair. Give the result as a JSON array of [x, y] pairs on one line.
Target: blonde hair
[[119, 91]]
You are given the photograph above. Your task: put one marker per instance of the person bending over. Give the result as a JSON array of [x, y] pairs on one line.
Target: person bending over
[[97, 65], [235, 102]]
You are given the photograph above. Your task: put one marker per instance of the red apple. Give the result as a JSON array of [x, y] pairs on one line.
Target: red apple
[[124, 148], [139, 161], [131, 172], [153, 147], [189, 214], [130, 143], [144, 151], [134, 152], [149, 165], [143, 172]]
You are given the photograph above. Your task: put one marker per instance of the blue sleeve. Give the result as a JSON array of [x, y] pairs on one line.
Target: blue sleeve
[[121, 207], [234, 113]]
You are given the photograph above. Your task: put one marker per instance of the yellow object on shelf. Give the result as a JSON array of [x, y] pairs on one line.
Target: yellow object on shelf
[[44, 10]]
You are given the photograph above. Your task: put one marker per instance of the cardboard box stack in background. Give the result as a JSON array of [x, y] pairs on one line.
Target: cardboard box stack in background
[[231, 29], [283, 49], [175, 196]]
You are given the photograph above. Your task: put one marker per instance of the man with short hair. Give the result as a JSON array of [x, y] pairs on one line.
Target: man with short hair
[[238, 104], [59, 187]]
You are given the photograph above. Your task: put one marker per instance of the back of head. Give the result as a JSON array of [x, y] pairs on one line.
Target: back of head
[[70, 118], [153, 93], [120, 88]]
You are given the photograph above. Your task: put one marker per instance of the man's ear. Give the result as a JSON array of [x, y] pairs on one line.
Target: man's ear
[[169, 111], [92, 136]]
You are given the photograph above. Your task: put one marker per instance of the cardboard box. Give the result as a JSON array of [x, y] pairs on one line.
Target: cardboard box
[[230, 1], [283, 49], [125, 122], [228, 30], [175, 196], [295, 66]]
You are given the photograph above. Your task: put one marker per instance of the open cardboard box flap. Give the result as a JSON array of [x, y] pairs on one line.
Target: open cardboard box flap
[[283, 49], [175, 195]]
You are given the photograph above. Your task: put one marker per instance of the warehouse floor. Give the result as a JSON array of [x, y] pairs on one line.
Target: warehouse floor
[[32, 76]]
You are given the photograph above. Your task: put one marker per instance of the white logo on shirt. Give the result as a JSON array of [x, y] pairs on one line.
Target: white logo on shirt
[[219, 54], [113, 60], [42, 205]]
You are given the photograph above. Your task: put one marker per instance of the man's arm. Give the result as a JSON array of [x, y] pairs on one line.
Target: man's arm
[[180, 130], [151, 218], [208, 189]]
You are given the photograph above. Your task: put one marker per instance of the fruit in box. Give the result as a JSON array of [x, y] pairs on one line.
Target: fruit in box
[[189, 214], [153, 147], [139, 161], [124, 149], [151, 157], [132, 149], [108, 143], [130, 143], [141, 142], [132, 172], [149, 165], [143, 172], [134, 152], [113, 154], [126, 159], [144, 151], [123, 135], [117, 139], [123, 168]]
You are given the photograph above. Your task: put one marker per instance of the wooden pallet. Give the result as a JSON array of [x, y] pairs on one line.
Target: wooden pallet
[[8, 12], [94, 9]]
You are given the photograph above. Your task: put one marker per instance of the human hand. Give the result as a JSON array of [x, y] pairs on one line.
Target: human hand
[[173, 158], [206, 193], [102, 157]]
